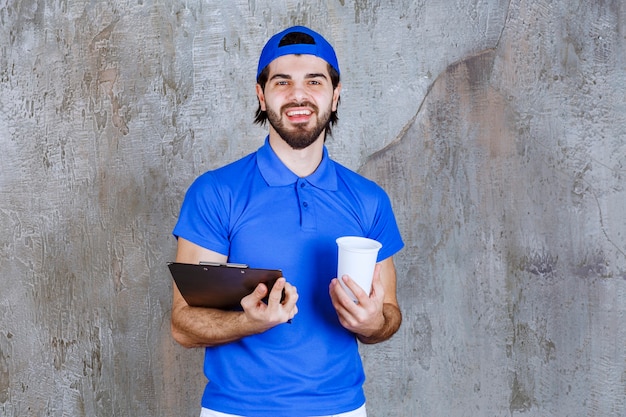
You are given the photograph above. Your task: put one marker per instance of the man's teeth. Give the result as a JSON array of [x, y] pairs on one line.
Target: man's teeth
[[299, 113]]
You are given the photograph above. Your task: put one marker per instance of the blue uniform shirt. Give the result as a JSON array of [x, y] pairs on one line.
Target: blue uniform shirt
[[257, 212]]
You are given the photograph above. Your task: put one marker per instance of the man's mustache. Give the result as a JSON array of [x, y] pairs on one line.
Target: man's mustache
[[301, 104]]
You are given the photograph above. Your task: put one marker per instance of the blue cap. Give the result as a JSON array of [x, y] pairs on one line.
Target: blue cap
[[321, 48]]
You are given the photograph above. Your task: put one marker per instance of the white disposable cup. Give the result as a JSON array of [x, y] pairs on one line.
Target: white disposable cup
[[357, 259]]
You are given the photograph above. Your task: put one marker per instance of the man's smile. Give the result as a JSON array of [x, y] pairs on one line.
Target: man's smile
[[295, 113], [299, 114]]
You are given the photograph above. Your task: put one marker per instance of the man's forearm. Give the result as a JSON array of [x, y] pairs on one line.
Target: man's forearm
[[202, 327], [392, 320]]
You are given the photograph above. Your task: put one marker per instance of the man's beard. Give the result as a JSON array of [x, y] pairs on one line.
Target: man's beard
[[299, 137]]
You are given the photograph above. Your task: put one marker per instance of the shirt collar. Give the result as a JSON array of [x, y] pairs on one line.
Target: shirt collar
[[276, 174]]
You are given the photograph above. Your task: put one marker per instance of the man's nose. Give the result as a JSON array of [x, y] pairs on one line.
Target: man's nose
[[299, 92]]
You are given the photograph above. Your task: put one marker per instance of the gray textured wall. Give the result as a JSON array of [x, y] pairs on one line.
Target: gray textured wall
[[498, 128]]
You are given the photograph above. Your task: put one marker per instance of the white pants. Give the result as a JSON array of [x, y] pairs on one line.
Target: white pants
[[359, 412]]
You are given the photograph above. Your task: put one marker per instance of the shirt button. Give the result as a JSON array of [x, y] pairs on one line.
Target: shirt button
[[305, 204], [302, 184]]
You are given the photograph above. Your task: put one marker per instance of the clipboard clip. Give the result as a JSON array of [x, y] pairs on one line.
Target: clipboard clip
[[228, 264]]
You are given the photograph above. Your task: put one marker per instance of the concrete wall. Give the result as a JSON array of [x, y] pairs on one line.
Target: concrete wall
[[498, 128]]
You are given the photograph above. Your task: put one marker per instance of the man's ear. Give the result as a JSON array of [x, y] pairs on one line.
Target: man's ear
[[261, 96], [336, 94]]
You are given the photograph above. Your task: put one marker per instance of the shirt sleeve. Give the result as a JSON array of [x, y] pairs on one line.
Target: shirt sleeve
[[385, 228], [203, 218]]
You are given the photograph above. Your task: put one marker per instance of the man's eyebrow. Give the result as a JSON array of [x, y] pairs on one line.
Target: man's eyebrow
[[316, 75], [285, 76], [288, 77]]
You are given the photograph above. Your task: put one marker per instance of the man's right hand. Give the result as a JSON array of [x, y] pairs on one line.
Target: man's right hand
[[280, 308]]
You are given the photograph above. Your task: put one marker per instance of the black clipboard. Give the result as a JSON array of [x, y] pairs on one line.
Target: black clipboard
[[219, 285]]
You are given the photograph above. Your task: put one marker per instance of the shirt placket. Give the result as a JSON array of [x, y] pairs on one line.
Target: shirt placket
[[307, 207]]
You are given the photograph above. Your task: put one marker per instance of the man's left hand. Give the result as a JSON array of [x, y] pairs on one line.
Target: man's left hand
[[365, 315]]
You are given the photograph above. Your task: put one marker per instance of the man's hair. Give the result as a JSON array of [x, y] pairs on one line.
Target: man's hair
[[297, 38]]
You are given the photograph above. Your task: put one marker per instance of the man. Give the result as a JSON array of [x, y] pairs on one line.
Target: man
[[283, 207]]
